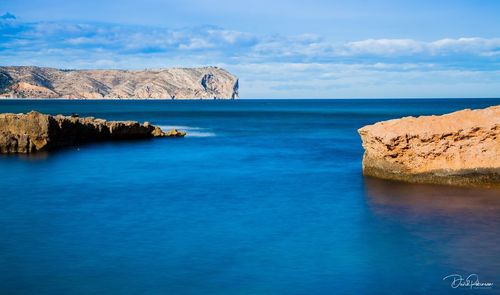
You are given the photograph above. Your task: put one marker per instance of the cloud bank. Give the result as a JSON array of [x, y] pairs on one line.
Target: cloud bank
[[268, 65]]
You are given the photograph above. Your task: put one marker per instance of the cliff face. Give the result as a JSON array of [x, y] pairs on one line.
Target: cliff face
[[35, 82], [461, 148], [28, 133]]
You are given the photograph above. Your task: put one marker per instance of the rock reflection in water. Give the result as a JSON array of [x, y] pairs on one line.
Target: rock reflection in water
[[459, 225], [437, 199], [39, 156]]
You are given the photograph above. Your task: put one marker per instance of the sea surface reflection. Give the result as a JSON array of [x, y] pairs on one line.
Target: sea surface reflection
[[459, 224]]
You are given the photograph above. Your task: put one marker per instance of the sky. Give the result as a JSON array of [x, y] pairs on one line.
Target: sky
[[277, 48]]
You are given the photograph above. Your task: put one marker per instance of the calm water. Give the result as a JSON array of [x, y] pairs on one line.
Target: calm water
[[263, 197]]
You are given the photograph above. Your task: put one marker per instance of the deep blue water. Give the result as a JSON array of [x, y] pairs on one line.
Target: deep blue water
[[263, 197]]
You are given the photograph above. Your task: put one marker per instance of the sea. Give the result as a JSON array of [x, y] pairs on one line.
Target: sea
[[261, 197]]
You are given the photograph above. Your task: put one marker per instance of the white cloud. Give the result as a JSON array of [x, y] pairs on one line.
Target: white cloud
[[399, 47], [479, 46], [244, 46], [291, 80], [383, 47], [196, 43]]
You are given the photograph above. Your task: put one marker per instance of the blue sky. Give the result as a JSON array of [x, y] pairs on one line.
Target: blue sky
[[279, 49]]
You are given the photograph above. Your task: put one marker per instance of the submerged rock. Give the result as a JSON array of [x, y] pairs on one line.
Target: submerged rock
[[461, 148], [32, 132]]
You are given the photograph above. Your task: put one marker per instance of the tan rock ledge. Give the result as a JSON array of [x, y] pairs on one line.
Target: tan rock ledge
[[461, 148], [32, 132]]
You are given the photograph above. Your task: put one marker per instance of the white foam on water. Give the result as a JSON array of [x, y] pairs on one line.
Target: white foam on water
[[191, 131], [200, 134], [179, 127]]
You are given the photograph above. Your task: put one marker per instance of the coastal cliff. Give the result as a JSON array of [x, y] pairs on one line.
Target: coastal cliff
[[32, 132], [461, 148], [174, 83]]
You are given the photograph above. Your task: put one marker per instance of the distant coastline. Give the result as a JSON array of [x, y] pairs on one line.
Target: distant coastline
[[27, 82]]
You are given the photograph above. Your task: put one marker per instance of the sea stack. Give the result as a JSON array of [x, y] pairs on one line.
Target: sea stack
[[461, 148], [32, 132]]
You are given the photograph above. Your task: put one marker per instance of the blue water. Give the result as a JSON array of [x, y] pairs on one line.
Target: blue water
[[262, 197]]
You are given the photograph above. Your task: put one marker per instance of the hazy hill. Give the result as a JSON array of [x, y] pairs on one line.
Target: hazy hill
[[174, 83]]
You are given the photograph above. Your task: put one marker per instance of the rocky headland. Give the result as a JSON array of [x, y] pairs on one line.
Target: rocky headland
[[461, 148], [32, 132], [174, 83]]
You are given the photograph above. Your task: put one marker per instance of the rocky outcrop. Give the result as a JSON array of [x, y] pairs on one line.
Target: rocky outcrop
[[32, 132], [175, 83], [461, 148]]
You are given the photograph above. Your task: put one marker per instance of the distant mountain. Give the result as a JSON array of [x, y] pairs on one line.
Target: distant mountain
[[173, 83]]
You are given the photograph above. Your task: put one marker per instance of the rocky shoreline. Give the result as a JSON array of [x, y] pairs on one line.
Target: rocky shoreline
[[461, 148], [32, 132]]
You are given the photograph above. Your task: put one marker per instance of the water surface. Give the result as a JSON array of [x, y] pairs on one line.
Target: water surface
[[262, 197]]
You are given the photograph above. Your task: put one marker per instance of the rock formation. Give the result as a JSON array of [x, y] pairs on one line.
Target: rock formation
[[175, 83], [31, 132], [461, 148]]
